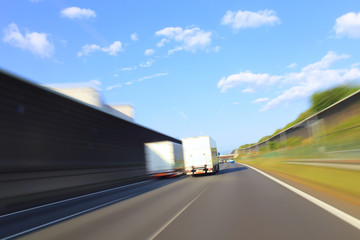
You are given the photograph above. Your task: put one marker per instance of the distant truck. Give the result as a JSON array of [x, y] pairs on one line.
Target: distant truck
[[164, 159], [200, 155]]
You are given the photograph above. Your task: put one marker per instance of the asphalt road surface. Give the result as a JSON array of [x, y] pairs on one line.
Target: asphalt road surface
[[237, 203]]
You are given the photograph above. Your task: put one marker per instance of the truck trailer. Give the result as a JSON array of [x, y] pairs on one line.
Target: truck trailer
[[164, 159], [200, 155]]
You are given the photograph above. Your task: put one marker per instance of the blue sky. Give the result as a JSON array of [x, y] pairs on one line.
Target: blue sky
[[234, 70]]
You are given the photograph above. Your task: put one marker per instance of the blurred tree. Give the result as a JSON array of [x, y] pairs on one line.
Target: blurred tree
[[322, 100], [319, 101], [273, 145], [264, 139]]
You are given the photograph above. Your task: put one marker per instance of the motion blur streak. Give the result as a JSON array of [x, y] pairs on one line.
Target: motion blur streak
[[62, 147], [340, 214], [239, 202]]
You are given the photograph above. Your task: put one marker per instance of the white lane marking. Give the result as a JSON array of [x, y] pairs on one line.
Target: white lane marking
[[67, 217], [338, 213], [74, 198], [84, 211], [178, 214]]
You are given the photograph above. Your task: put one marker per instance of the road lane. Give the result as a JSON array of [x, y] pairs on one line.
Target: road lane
[[254, 207], [237, 203], [136, 218], [17, 223]]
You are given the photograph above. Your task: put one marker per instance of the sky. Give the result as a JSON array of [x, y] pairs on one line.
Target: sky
[[233, 70]]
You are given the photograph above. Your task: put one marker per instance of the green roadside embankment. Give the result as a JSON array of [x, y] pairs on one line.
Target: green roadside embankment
[[329, 163]]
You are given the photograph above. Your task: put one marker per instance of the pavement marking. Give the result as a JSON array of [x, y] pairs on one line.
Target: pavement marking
[[67, 217], [81, 212], [178, 214], [338, 213], [74, 198]]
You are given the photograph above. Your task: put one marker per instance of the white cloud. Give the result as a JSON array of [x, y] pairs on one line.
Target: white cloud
[[238, 79], [88, 48], [176, 49], [112, 49], [35, 1], [119, 85], [325, 62], [248, 90], [128, 68], [235, 103], [217, 48], [162, 42], [246, 19], [303, 90], [292, 65], [309, 82], [152, 76], [348, 25], [64, 42], [76, 12], [261, 100], [148, 63], [183, 115], [149, 52], [35, 42], [95, 82], [190, 39], [311, 78], [134, 37]]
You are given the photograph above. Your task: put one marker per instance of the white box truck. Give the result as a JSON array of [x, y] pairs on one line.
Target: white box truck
[[200, 155], [164, 159]]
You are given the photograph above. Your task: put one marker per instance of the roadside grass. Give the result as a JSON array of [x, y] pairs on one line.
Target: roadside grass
[[341, 143], [341, 183]]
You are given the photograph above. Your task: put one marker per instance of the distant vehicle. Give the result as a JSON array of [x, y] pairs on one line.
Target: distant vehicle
[[200, 155], [164, 159], [231, 161]]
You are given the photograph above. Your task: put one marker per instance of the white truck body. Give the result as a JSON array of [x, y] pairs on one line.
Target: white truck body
[[164, 159], [200, 155]]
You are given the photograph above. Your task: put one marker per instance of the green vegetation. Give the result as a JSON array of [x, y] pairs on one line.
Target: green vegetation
[[274, 145], [340, 183], [324, 99], [293, 141], [247, 145], [350, 123], [304, 115], [293, 159], [339, 145], [319, 101], [264, 138]]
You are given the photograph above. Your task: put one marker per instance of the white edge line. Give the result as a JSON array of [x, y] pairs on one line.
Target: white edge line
[[67, 217], [176, 215], [338, 213], [82, 212], [74, 198]]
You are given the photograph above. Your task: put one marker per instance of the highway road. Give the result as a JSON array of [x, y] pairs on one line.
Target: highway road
[[237, 203]]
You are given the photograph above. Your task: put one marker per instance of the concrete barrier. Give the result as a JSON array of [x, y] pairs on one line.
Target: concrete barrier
[[315, 125]]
